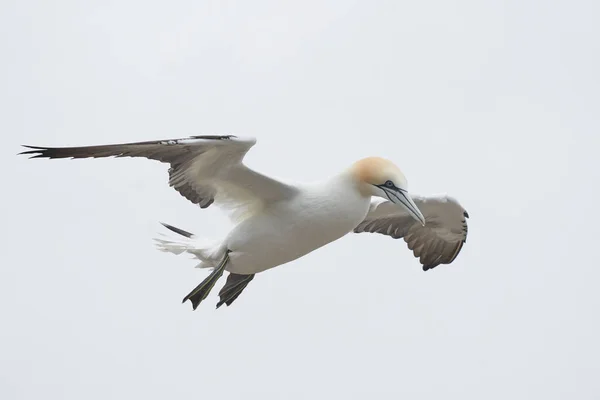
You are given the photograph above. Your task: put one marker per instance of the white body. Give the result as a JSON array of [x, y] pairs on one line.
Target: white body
[[277, 222], [286, 230]]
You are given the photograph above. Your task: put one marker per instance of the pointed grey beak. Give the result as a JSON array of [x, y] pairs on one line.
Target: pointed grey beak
[[400, 196]]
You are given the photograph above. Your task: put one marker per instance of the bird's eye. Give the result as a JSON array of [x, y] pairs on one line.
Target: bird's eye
[[389, 184]]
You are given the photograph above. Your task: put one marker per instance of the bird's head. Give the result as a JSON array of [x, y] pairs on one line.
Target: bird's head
[[380, 177]]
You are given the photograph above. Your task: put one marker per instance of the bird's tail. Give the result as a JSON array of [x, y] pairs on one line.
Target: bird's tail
[[208, 252]]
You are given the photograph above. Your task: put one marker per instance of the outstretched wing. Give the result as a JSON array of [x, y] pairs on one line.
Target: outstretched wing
[[438, 242], [204, 169]]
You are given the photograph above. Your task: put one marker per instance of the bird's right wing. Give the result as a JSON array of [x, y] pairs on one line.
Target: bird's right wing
[[204, 169], [438, 242]]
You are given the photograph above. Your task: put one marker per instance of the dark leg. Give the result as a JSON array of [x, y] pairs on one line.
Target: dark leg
[[235, 284], [203, 289]]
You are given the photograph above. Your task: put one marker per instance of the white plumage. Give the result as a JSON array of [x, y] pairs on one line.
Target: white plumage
[[277, 222]]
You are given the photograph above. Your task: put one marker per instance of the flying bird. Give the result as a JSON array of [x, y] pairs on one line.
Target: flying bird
[[278, 222]]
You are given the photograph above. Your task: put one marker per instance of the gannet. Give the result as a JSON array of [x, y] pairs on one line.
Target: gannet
[[277, 222]]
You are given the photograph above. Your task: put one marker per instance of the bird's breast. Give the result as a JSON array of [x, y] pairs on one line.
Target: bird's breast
[[288, 230]]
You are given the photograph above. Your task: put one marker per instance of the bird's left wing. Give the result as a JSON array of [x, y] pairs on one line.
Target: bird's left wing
[[438, 242], [204, 169]]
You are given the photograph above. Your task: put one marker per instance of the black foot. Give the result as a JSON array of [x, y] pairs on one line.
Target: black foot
[[203, 289], [235, 284]]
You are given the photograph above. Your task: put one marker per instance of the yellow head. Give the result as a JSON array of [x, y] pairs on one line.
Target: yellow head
[[376, 171], [380, 177]]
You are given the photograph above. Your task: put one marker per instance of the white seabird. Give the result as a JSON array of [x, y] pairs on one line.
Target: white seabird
[[277, 222]]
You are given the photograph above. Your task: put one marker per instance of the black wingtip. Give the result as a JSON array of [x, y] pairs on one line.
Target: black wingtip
[[39, 152], [466, 214], [31, 147], [35, 150], [214, 137], [177, 230]]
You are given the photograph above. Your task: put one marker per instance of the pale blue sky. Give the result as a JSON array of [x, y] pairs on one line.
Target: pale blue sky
[[495, 103]]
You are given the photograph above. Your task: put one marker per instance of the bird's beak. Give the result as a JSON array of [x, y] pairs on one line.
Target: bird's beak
[[403, 198]]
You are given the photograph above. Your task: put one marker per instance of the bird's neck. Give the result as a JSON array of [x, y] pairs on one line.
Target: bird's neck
[[349, 179]]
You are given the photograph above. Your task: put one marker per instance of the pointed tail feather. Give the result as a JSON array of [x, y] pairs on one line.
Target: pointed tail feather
[[208, 251], [178, 230]]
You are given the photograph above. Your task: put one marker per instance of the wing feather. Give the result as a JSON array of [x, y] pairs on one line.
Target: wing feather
[[438, 242], [203, 169]]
